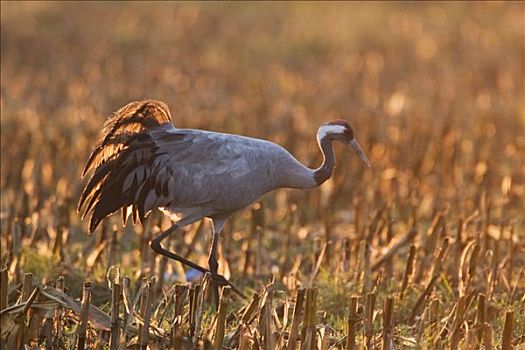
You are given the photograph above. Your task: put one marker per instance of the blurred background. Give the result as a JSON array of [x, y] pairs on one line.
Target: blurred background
[[433, 90]]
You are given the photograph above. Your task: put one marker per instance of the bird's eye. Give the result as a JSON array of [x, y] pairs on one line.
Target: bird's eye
[[349, 133]]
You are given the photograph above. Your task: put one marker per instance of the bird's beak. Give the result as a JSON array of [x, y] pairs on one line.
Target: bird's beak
[[357, 148]]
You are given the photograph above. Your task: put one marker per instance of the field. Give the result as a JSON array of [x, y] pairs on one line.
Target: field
[[425, 250]]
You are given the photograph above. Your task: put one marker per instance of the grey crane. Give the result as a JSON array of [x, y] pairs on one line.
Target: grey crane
[[144, 162]]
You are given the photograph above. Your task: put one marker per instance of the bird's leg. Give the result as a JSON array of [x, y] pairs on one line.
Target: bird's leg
[[157, 247], [212, 259]]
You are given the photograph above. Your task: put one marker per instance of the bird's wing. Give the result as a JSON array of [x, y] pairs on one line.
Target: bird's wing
[[143, 162], [124, 145], [129, 120]]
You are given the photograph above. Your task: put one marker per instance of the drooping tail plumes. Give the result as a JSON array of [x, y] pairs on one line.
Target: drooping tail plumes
[[123, 125], [125, 146]]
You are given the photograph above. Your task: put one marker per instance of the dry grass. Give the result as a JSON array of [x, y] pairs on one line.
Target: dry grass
[[425, 250]]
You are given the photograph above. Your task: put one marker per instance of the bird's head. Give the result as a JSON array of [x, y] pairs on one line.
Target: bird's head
[[341, 131]]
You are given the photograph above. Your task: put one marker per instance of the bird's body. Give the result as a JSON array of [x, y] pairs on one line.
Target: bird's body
[[215, 173], [144, 162]]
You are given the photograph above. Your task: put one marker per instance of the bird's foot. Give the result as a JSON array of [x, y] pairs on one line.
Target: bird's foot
[[220, 280]]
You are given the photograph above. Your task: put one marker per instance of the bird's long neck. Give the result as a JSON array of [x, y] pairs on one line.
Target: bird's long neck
[[297, 175], [325, 171]]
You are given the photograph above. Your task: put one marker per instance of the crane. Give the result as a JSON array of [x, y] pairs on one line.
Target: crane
[[143, 162]]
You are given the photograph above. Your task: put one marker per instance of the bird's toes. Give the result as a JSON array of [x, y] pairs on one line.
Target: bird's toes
[[220, 279]]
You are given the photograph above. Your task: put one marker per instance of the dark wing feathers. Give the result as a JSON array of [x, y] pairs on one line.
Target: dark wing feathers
[[126, 175], [128, 120]]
